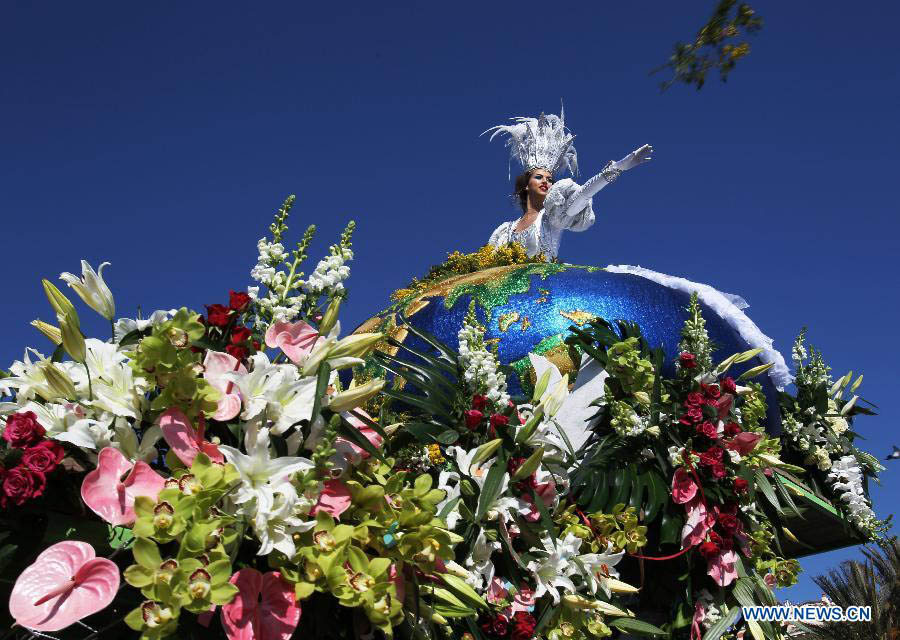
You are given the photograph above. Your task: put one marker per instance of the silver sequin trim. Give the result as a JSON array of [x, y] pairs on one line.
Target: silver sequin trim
[[610, 173]]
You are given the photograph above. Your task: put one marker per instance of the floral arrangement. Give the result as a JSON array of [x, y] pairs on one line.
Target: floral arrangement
[[208, 475]]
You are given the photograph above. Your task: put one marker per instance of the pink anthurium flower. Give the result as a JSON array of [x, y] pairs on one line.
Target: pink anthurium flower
[[263, 609], [721, 568], [110, 493], [744, 442], [215, 365], [547, 493], [296, 339], [683, 487], [334, 499], [66, 583], [185, 441], [352, 452]]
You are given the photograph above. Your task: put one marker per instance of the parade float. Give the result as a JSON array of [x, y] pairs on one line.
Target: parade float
[[515, 448]]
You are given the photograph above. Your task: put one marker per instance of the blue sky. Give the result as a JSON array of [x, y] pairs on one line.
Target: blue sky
[[161, 137]]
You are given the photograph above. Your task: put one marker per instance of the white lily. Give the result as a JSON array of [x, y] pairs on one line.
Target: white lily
[[91, 288], [27, 378], [118, 392], [127, 442], [479, 562], [276, 529], [124, 326], [102, 357], [600, 570], [262, 476], [290, 403], [553, 571], [258, 385]]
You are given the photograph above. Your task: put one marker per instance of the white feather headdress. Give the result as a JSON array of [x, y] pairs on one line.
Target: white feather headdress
[[543, 142]]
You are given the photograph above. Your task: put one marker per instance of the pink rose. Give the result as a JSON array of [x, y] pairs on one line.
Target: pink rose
[[43, 457], [23, 429]]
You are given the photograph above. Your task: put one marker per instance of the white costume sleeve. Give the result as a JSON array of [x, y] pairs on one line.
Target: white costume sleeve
[[500, 237], [558, 207]]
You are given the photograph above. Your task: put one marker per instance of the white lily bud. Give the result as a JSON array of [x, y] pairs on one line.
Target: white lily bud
[[53, 333], [355, 397], [58, 381], [355, 346], [72, 340], [60, 303]]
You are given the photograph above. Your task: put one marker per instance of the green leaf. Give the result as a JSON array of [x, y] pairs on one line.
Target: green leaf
[[448, 437], [321, 387], [463, 590], [717, 630], [658, 497], [491, 488], [670, 528], [352, 433], [631, 625], [763, 484]]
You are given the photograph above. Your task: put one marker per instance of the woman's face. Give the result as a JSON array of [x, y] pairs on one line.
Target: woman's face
[[540, 182]]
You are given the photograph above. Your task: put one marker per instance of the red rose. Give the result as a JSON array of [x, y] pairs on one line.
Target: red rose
[[238, 300], [729, 523], [732, 429], [693, 399], [473, 419], [728, 385], [497, 626], [21, 484], [687, 360], [497, 420], [23, 429], [238, 352], [711, 390], [692, 415], [523, 624], [709, 550], [43, 457], [707, 429], [718, 470], [740, 485], [479, 403], [711, 456], [240, 335], [217, 315]]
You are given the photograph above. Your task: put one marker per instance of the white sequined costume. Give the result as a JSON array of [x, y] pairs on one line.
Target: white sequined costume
[[545, 233]]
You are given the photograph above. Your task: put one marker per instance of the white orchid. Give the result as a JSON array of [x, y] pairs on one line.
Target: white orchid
[[553, 571], [91, 288], [262, 476]]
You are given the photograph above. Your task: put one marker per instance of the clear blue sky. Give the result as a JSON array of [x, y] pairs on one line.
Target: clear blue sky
[[160, 137]]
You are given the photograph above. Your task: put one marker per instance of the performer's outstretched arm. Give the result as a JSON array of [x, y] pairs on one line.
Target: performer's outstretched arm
[[610, 172]]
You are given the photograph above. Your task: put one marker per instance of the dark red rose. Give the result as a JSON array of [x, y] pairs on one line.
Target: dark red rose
[[687, 360], [711, 456], [707, 429], [732, 429], [217, 315], [256, 345], [716, 539], [711, 390], [237, 351], [43, 457], [694, 399], [479, 402], [473, 419], [523, 624], [514, 463], [497, 420], [238, 300], [240, 335], [21, 484], [740, 485], [496, 626], [692, 415], [718, 471], [728, 523], [23, 429], [728, 385], [709, 550]]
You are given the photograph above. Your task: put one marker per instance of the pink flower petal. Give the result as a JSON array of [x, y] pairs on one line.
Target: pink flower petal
[[295, 340], [108, 496], [744, 442], [351, 451], [496, 591], [683, 487], [215, 365], [721, 568], [334, 499], [399, 583], [263, 609], [68, 581], [184, 440], [698, 524]]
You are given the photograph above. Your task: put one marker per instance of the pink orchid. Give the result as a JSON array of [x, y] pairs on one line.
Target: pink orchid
[[215, 365], [699, 522], [263, 609], [744, 442], [109, 495], [334, 499], [684, 489], [721, 568], [496, 591], [523, 600], [66, 583], [699, 617], [185, 441], [295, 340], [351, 451]]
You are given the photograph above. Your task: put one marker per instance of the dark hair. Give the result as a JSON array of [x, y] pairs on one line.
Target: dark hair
[[520, 194]]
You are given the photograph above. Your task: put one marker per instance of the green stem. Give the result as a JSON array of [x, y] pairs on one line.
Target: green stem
[[112, 330], [90, 386]]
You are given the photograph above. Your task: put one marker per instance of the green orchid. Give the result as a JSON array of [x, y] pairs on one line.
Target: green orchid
[[156, 618], [164, 518], [151, 569], [199, 586]]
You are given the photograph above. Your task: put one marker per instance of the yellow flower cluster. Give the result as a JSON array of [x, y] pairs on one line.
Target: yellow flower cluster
[[435, 455]]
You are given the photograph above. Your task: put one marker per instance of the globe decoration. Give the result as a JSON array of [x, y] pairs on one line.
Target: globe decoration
[[529, 309]]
